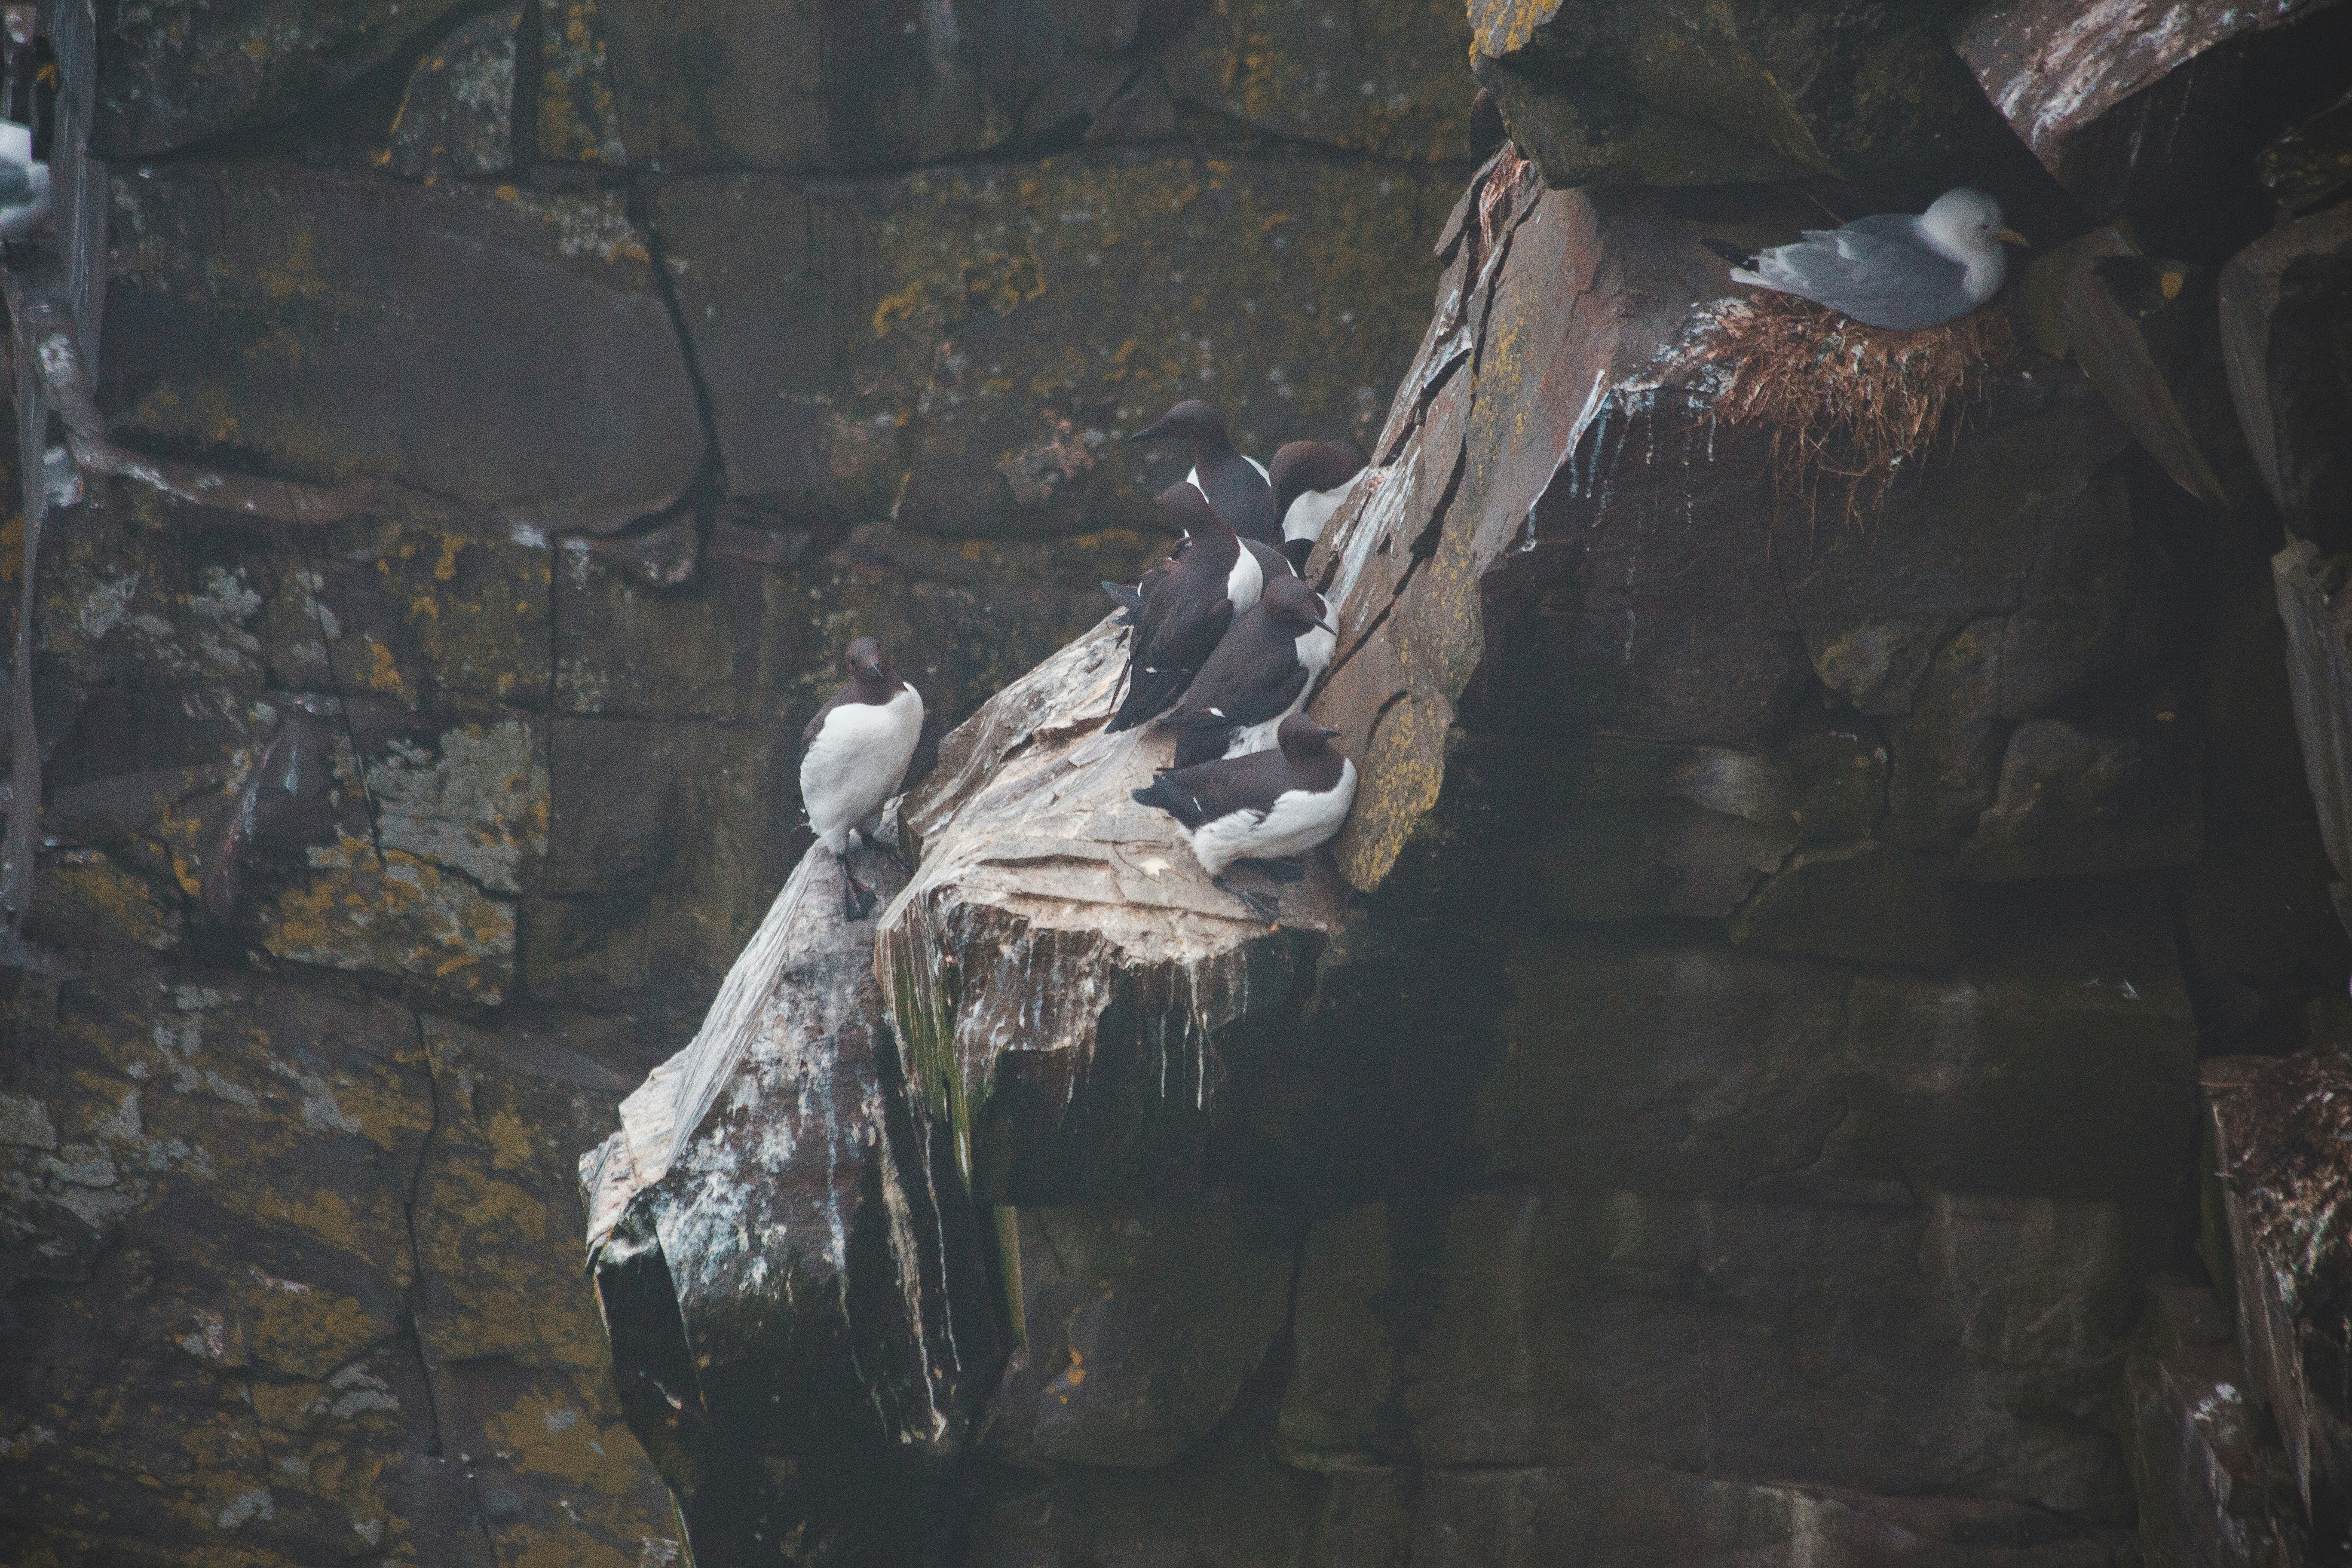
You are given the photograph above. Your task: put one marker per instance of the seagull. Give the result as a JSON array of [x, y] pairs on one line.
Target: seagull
[[854, 756], [1265, 806], [24, 184], [1893, 270], [1235, 486], [1310, 478], [1259, 676], [1180, 624]]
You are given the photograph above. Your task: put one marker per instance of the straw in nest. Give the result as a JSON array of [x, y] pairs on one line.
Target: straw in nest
[[1845, 402]]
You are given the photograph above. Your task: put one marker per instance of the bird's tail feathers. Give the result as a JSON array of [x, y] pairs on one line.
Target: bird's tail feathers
[[1163, 795]]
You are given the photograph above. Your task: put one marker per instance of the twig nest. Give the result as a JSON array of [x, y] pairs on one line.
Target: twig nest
[[1845, 402]]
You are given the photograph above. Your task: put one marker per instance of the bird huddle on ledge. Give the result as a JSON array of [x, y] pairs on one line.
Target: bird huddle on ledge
[[1227, 645]]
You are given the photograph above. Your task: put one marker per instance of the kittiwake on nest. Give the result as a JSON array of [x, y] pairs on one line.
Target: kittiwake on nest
[[1894, 271], [1843, 401]]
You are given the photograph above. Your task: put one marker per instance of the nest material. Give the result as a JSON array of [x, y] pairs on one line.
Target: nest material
[[2291, 1160], [1848, 403]]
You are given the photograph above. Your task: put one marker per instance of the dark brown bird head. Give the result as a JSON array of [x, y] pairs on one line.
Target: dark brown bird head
[[870, 666], [1295, 604], [1303, 465], [1303, 739], [1191, 420], [1183, 507]]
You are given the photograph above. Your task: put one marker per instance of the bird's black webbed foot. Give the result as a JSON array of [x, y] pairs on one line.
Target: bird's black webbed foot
[[857, 898], [1283, 871], [1256, 906], [890, 852]]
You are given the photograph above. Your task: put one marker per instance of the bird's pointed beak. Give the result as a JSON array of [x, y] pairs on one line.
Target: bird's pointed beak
[[1330, 733], [1148, 433], [1324, 625], [2010, 236], [873, 668]]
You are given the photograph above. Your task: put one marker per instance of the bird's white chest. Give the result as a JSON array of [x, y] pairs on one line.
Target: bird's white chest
[[858, 760], [1245, 581], [1312, 510], [1296, 822]]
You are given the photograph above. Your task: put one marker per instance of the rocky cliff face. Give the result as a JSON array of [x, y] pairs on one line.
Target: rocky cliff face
[[1732, 1094], [1743, 1105], [501, 416]]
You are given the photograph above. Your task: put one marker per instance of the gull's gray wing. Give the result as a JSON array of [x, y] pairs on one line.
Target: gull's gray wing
[[1877, 278]]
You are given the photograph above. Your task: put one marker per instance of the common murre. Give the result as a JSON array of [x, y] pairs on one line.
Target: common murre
[[1233, 484], [1310, 478], [1189, 608], [1265, 806], [1261, 673], [854, 756]]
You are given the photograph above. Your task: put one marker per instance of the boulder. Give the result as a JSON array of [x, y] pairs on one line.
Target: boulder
[[2153, 107], [457, 119], [1383, 81], [1227, 1500], [178, 73], [294, 318], [283, 1230], [1619, 1332], [1076, 997], [958, 350], [2319, 677], [579, 114], [722, 84], [1635, 1516], [1568, 475], [1137, 1327], [2284, 300], [1635, 92], [789, 1264], [2212, 1483]]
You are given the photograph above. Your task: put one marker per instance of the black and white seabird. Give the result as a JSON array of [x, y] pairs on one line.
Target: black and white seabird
[[1189, 608], [1897, 270], [853, 755], [1310, 478], [1234, 486], [1265, 806], [1259, 676], [1130, 597]]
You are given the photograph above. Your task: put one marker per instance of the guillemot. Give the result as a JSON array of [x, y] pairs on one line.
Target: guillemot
[[1189, 608], [1310, 478], [1235, 486], [853, 755], [1265, 806], [1260, 675]]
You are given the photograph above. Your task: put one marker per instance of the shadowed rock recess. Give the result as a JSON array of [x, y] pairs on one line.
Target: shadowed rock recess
[[1816, 1045]]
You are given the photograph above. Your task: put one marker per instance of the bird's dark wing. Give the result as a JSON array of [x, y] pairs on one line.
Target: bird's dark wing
[[808, 735], [1241, 681], [1234, 784]]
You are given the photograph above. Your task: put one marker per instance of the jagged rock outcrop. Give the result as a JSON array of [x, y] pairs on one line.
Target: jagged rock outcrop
[[788, 1265]]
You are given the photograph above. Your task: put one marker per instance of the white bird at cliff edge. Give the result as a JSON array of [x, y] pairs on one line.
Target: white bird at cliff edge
[[854, 756], [1893, 270], [24, 184]]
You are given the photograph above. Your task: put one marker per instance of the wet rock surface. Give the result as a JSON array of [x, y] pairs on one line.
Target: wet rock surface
[[1731, 1095]]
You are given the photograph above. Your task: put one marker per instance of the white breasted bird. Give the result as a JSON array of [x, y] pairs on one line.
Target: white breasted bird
[[1310, 478], [1893, 270], [1179, 624], [1266, 806], [1260, 675], [1235, 486], [854, 756]]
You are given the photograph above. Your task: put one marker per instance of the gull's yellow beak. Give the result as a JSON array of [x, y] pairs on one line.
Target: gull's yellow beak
[[2010, 236]]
